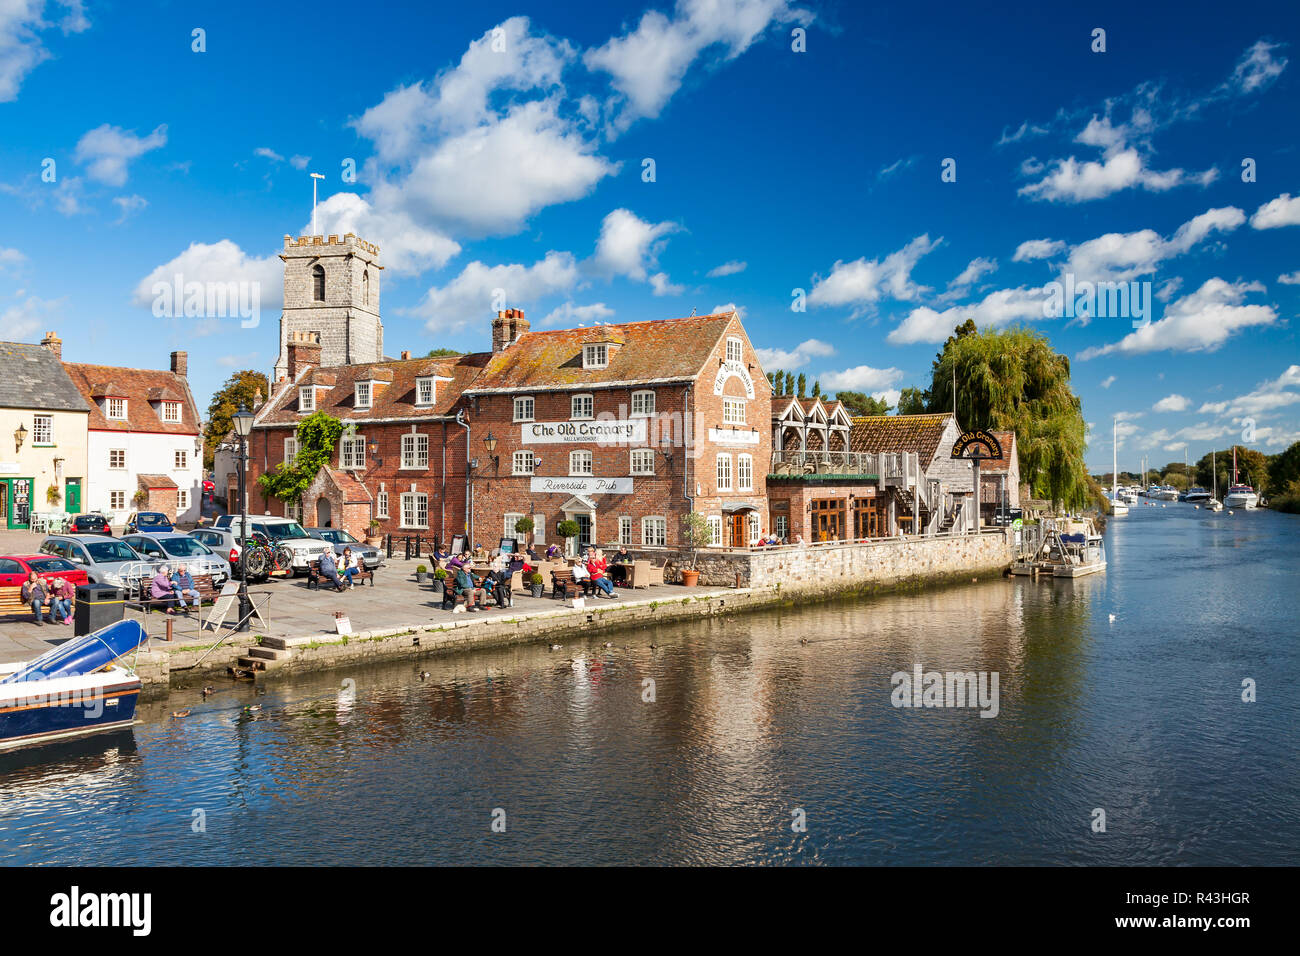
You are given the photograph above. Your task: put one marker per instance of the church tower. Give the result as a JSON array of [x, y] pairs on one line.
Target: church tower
[[331, 288]]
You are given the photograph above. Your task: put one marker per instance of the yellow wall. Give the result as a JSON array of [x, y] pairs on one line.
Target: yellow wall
[[38, 462]]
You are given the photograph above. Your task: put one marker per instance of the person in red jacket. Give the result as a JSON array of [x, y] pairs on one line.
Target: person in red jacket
[[599, 572]]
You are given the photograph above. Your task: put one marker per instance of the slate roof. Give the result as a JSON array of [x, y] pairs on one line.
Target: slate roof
[[31, 376], [142, 389], [336, 393], [662, 350], [897, 433]]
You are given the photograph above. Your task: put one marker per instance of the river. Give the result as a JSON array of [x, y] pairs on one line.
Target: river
[[768, 738]]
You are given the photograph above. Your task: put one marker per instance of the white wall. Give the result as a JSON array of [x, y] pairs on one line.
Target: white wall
[[147, 453]]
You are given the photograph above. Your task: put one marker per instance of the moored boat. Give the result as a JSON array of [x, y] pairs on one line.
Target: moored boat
[[1239, 495], [1196, 495]]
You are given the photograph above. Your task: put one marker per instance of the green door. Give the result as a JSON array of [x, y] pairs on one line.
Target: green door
[[20, 502], [72, 496]]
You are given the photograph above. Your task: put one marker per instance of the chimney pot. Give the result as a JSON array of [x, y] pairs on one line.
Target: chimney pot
[[54, 344], [405, 355]]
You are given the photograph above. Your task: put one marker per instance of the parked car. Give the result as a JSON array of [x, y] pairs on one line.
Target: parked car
[[112, 562], [89, 524], [225, 542], [148, 522], [173, 549], [281, 533], [15, 568], [370, 557]]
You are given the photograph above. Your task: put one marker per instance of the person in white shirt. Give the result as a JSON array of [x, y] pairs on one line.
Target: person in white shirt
[[581, 576]]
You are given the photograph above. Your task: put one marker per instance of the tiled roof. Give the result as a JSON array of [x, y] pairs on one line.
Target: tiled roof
[[31, 376], [657, 351], [142, 389], [395, 400], [156, 481], [354, 492], [1000, 465], [895, 433]]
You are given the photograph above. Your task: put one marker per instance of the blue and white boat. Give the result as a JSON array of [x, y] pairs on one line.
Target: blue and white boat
[[80, 687]]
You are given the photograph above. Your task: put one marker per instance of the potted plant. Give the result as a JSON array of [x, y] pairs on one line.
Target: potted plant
[[421, 573], [695, 535], [140, 499], [567, 529], [535, 583], [524, 526], [52, 494], [374, 539], [439, 580]]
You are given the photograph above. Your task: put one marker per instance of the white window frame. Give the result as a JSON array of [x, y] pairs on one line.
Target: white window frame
[[415, 451], [182, 500], [117, 501], [715, 530], [508, 524], [744, 472], [121, 411], [121, 466], [352, 453], [588, 403], [293, 509], [595, 355], [654, 531], [381, 504], [646, 456], [180, 459], [170, 412], [576, 464], [531, 408], [421, 383], [539, 530], [733, 411], [411, 502], [522, 463], [366, 388], [735, 345], [625, 530], [307, 398], [781, 527], [723, 472], [647, 403], [290, 449]]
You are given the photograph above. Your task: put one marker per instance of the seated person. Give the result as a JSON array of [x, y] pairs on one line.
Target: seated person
[[440, 556], [35, 595], [552, 552], [62, 595], [160, 589], [329, 570], [454, 562], [182, 586], [464, 585], [620, 565], [348, 565], [598, 571], [582, 576]]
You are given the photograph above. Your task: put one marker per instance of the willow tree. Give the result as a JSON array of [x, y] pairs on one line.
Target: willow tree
[[1013, 380]]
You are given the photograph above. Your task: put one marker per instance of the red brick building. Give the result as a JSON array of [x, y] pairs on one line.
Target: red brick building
[[623, 429]]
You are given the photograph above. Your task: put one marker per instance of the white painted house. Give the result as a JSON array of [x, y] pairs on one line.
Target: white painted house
[[144, 447]]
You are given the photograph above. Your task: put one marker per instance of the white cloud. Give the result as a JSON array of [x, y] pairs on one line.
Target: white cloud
[[1200, 321], [1072, 181], [629, 246], [106, 150], [971, 274], [1212, 408], [727, 269], [796, 357], [1037, 249], [299, 162], [1264, 398], [1108, 381], [129, 205], [1171, 403], [1282, 211], [998, 308], [1122, 256], [22, 47], [862, 378], [569, 315], [1257, 69], [471, 296], [660, 285], [1290, 278], [894, 167], [726, 307], [863, 282], [406, 247], [219, 262], [648, 63], [267, 153], [26, 318]]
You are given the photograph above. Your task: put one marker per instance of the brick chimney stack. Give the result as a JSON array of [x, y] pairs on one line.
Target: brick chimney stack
[[302, 350], [507, 327], [180, 363], [54, 344]]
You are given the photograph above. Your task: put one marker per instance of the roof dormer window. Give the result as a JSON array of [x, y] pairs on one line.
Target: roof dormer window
[[307, 398], [595, 356], [115, 409], [363, 395], [170, 412], [425, 391]]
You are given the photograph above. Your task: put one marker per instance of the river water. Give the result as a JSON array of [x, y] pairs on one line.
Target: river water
[[769, 738]]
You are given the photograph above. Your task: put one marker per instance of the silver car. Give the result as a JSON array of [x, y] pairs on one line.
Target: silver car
[[369, 556], [174, 549], [108, 561]]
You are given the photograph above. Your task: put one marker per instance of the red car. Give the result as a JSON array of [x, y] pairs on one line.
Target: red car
[[15, 568]]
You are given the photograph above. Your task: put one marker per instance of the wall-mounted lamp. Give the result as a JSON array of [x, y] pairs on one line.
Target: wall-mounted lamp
[[20, 436], [490, 443]]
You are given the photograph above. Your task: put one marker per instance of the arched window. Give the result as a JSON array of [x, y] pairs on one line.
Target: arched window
[[318, 282], [365, 287]]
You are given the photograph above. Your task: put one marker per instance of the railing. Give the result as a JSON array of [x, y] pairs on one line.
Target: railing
[[825, 463]]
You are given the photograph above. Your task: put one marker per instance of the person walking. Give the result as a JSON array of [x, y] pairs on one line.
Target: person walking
[[37, 596]]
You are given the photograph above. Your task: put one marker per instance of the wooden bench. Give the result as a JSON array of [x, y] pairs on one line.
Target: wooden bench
[[208, 593], [11, 602], [563, 585], [313, 575]]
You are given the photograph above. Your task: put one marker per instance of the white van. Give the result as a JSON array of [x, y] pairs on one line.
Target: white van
[[282, 532]]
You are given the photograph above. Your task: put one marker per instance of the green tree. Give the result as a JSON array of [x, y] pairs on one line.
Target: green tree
[[789, 384], [1284, 468], [802, 384], [318, 436], [443, 353], [1012, 379], [911, 401], [817, 389], [858, 404], [240, 389]]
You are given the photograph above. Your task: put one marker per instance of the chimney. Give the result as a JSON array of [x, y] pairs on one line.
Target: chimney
[[507, 327], [406, 355], [54, 344], [302, 350], [257, 399], [180, 363]]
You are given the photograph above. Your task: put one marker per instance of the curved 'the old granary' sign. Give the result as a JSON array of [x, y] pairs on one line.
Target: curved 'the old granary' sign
[[977, 445]]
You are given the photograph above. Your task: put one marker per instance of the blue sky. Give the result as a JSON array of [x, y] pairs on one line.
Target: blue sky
[[504, 147]]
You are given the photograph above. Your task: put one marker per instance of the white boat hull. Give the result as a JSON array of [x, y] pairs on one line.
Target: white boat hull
[[1242, 501]]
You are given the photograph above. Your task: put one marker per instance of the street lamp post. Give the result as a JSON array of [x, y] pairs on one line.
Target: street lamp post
[[243, 422]]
